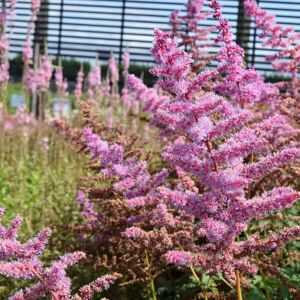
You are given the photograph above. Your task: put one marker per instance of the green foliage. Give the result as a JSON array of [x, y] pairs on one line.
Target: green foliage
[[71, 67], [276, 78], [40, 186], [16, 66]]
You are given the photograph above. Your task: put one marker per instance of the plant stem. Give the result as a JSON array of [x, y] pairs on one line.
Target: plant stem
[[41, 279], [195, 275], [198, 281], [197, 278], [206, 287], [152, 286], [225, 281], [238, 285]]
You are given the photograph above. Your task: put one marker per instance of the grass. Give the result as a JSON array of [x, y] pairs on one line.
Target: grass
[[36, 184], [38, 181]]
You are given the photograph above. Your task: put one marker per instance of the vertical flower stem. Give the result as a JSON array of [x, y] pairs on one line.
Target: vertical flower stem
[[197, 278], [152, 286], [238, 285], [206, 287], [41, 279], [195, 274]]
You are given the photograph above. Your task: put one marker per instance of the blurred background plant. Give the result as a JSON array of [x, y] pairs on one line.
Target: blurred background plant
[[38, 174]]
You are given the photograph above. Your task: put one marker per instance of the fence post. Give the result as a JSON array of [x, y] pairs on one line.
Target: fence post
[[243, 30], [3, 16], [61, 17], [122, 30], [33, 97], [41, 27], [254, 44]]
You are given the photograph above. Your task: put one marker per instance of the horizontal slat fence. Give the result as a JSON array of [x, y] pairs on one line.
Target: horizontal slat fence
[[84, 29]]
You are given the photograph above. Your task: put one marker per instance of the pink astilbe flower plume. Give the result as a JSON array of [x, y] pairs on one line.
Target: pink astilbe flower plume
[[242, 85], [134, 179], [97, 286], [129, 187], [126, 96], [94, 81], [277, 37], [21, 261], [214, 144], [113, 69], [79, 84], [186, 29], [38, 80], [4, 64]]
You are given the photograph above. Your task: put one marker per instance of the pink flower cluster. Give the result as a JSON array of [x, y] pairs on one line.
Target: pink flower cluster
[[79, 85], [134, 178], [283, 39], [20, 121], [22, 261], [244, 86], [191, 35], [35, 8], [4, 65], [94, 81], [37, 80], [61, 84], [27, 52], [214, 144], [113, 69], [126, 97]]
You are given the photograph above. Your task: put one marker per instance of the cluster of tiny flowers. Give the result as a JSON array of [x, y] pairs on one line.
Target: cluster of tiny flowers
[[134, 178], [27, 52], [61, 84], [37, 80], [79, 85], [213, 145], [12, 8], [21, 121], [94, 80], [35, 8], [4, 65], [242, 85], [21, 261], [189, 34], [275, 35], [113, 69], [27, 48], [126, 96], [280, 38]]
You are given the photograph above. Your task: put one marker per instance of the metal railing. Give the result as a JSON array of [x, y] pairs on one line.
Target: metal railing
[[85, 29]]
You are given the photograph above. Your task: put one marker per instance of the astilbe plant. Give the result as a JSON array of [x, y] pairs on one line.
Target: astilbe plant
[[286, 59], [62, 89], [94, 80], [122, 214], [102, 91], [6, 14], [284, 40], [223, 147], [126, 97], [22, 261], [35, 79], [194, 38]]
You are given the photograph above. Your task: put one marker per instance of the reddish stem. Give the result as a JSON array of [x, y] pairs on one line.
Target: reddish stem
[[41, 279], [208, 145]]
